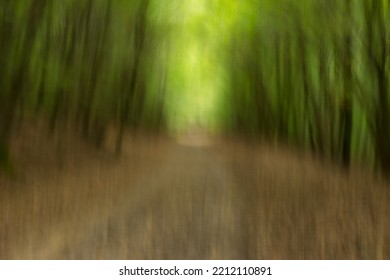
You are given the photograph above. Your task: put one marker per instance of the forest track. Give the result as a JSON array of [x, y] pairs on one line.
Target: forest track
[[189, 208], [182, 205], [196, 200]]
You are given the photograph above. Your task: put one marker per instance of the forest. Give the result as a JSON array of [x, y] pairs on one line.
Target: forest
[[196, 129], [313, 74], [316, 75]]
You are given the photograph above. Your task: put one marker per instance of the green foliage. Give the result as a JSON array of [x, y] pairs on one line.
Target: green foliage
[[311, 73], [88, 62], [299, 77]]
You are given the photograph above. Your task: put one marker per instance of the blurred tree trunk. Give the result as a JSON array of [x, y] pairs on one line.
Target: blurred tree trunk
[[44, 55], [377, 30], [128, 95], [67, 55], [346, 98], [307, 88], [96, 38], [10, 97]]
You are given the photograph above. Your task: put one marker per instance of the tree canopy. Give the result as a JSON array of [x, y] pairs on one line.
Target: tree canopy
[[313, 73]]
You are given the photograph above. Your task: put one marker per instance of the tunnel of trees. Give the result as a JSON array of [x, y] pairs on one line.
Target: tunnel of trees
[[313, 74]]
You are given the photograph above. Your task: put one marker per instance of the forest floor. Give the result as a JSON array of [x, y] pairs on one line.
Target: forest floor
[[193, 197]]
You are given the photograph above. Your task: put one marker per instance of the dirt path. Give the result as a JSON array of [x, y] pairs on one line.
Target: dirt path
[[193, 200], [185, 205], [188, 208]]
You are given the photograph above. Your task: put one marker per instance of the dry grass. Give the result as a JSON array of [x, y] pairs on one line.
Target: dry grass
[[300, 208], [60, 180]]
